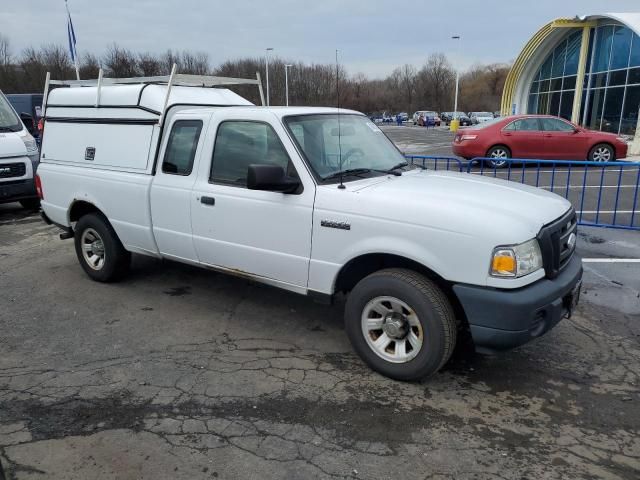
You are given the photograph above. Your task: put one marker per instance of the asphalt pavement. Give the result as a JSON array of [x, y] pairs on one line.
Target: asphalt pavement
[[181, 373]]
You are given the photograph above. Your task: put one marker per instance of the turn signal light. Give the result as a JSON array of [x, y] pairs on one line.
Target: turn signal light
[[504, 264]]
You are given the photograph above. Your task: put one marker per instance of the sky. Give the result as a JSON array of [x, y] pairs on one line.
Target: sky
[[372, 36]]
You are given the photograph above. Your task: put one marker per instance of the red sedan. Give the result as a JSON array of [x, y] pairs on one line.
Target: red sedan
[[539, 137]]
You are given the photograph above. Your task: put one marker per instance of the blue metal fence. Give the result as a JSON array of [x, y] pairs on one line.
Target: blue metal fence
[[431, 162], [604, 194]]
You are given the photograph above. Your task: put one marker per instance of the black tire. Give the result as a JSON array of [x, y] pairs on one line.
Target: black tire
[[116, 260], [499, 150], [30, 203], [600, 151], [434, 314]]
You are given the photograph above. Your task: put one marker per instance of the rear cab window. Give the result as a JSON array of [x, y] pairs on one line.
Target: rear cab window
[[181, 147]]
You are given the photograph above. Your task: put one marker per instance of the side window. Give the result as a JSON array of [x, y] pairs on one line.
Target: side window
[[555, 125], [243, 143], [181, 147], [524, 125]]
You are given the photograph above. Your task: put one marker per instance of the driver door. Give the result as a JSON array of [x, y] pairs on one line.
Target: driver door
[[258, 233]]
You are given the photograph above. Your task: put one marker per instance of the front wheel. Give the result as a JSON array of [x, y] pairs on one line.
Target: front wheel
[[99, 249], [499, 156], [401, 324], [602, 153]]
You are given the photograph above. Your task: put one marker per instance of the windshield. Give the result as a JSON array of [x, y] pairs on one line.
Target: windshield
[[9, 121], [356, 143]]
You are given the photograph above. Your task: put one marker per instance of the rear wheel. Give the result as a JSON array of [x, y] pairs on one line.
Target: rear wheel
[[602, 153], [99, 250], [401, 324], [499, 156]]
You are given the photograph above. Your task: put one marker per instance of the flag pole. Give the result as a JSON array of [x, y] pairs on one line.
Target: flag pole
[[72, 41]]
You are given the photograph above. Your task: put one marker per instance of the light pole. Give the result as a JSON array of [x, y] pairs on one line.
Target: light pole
[[455, 102], [266, 61], [286, 82]]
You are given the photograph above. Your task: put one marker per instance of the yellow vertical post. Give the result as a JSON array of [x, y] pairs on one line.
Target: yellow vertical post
[[582, 68]]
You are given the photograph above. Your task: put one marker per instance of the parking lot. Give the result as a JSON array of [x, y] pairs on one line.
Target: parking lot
[[181, 372]]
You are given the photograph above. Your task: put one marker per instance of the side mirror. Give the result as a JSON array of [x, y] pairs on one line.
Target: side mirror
[[28, 121], [576, 130], [271, 178]]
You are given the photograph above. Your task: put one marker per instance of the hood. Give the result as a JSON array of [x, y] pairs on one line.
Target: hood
[[11, 144], [457, 202]]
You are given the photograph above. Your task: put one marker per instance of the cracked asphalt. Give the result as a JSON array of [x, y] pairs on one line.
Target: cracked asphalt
[[179, 372]]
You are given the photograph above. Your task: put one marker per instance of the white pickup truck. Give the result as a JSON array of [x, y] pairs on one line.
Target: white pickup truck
[[313, 200]]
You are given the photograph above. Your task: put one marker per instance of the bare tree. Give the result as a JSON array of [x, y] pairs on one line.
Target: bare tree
[[5, 51], [120, 62], [194, 63], [89, 66], [149, 65]]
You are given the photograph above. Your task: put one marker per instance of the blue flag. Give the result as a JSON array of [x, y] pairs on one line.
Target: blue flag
[[72, 37]]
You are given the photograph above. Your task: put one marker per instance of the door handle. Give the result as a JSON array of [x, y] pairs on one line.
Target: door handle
[[506, 134], [208, 200]]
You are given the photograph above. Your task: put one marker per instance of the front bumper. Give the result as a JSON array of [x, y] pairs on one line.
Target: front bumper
[[504, 319], [12, 191]]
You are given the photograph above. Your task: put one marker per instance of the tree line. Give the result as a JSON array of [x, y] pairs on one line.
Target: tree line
[[408, 88]]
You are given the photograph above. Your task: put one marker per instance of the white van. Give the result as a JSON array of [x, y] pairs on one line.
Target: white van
[[18, 159], [317, 201]]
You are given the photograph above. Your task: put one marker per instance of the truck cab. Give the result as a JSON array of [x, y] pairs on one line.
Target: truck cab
[[313, 200], [18, 159]]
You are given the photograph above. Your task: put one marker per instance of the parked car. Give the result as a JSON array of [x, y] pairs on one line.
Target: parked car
[[536, 136], [404, 116], [18, 158], [480, 117], [29, 107], [426, 114], [264, 193], [387, 118], [461, 116]]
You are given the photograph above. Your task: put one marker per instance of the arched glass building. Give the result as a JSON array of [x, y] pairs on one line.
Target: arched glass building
[[585, 69]]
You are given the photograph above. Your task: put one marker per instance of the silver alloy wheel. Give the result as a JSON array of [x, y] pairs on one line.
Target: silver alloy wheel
[[602, 154], [392, 329], [499, 157], [92, 249]]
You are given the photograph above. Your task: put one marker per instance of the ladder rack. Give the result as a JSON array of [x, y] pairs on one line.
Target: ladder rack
[[174, 79]]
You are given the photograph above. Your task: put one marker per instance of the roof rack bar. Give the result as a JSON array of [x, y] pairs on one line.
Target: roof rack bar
[[166, 98], [47, 81], [99, 88], [259, 79], [177, 80]]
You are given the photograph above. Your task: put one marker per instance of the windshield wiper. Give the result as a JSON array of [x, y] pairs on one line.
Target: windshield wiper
[[359, 171], [349, 171], [8, 129], [396, 167]]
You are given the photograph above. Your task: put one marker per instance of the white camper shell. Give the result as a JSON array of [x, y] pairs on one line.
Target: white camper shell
[[132, 110]]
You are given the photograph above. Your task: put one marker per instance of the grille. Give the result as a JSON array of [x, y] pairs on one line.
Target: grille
[[557, 244], [9, 170]]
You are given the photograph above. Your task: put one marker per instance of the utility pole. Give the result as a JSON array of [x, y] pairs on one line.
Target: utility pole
[[286, 82]]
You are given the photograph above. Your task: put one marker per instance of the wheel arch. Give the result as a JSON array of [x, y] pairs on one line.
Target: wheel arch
[[79, 208], [363, 265]]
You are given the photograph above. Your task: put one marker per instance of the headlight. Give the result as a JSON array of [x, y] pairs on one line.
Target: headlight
[[516, 260], [30, 144]]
